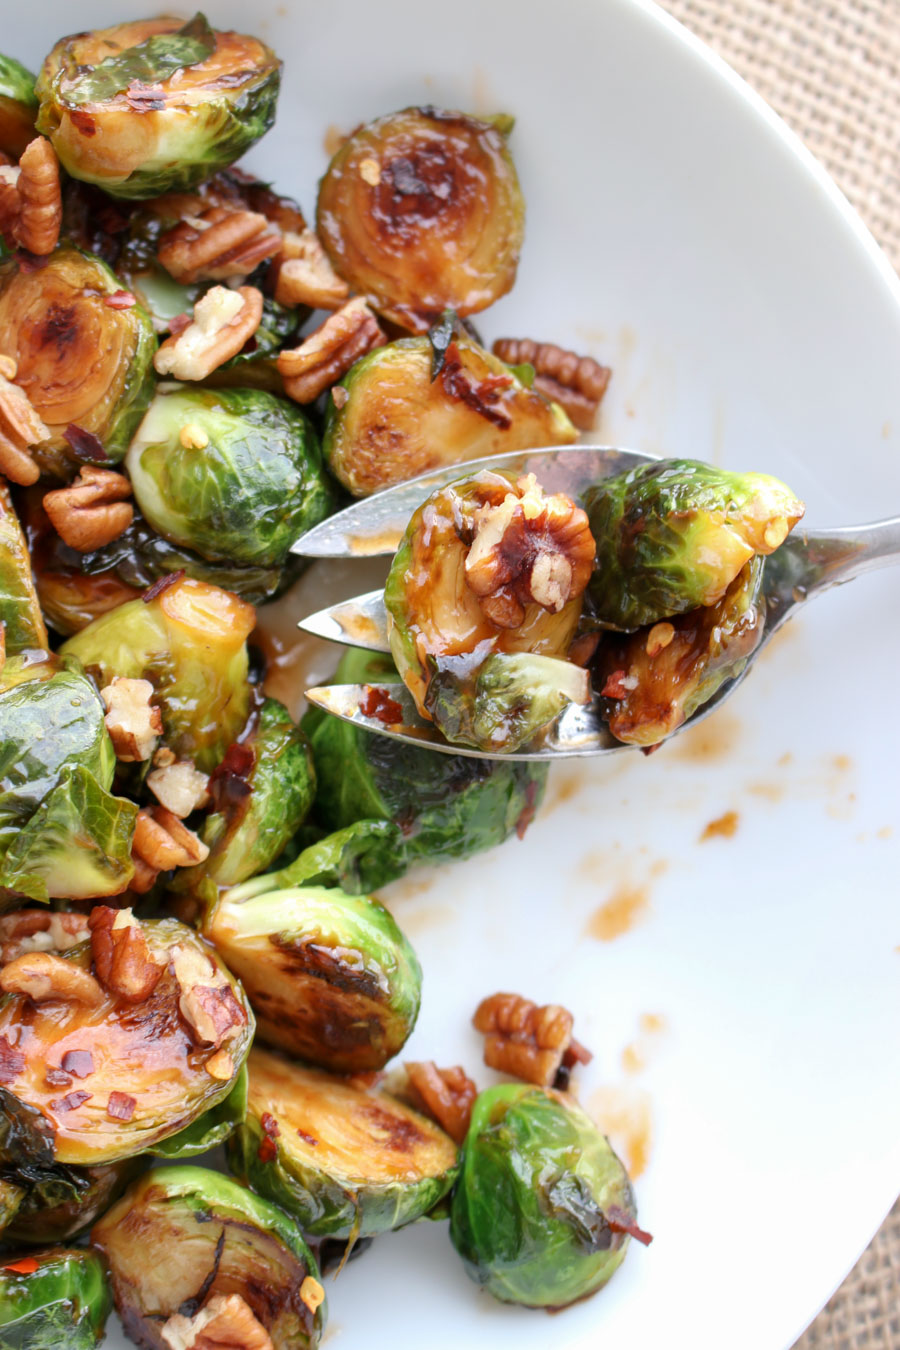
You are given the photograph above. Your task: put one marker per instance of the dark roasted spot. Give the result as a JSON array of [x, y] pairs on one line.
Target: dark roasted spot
[[59, 327], [402, 1134]]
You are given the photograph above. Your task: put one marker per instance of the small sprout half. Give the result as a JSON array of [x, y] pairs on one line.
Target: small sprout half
[[344, 1162], [53, 1300], [18, 106], [58, 1203]]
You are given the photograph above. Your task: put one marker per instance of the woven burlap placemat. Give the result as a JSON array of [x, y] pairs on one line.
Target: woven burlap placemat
[[831, 68]]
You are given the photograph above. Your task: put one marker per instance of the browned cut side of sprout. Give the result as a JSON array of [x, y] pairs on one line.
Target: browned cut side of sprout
[[93, 510], [577, 383], [526, 1041], [218, 244], [329, 352]]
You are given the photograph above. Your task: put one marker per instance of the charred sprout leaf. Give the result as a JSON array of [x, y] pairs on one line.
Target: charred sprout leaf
[[343, 1162], [445, 806], [58, 1203], [151, 106], [56, 1299], [107, 1115], [244, 496], [76, 846], [208, 1236], [421, 211], [656, 678], [330, 976], [82, 362], [538, 1185], [358, 859], [18, 106], [440, 335], [190, 643], [672, 536], [20, 612], [484, 597], [398, 420], [11, 1197], [210, 1129]]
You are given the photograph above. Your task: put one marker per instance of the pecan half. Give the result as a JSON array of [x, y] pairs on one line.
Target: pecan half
[[180, 787], [162, 841], [45, 978], [304, 275], [132, 722], [223, 322], [526, 1041], [576, 382], [91, 511], [226, 1323], [206, 1002], [446, 1095], [34, 930], [31, 200], [218, 244], [20, 427], [121, 956], [529, 548], [329, 352]]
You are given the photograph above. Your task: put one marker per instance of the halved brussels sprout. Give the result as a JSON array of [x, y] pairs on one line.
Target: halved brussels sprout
[[212, 1128], [344, 1162], [543, 1208], [152, 105], [60, 1202], [11, 1197], [445, 806], [20, 612], [18, 106], [396, 419], [141, 1066], [53, 1300], [421, 211], [183, 1237], [672, 536], [358, 859], [190, 642], [656, 678], [85, 364], [330, 976], [246, 494], [483, 599]]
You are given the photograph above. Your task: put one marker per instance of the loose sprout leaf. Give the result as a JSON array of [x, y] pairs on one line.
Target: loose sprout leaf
[[150, 62], [357, 859], [440, 336]]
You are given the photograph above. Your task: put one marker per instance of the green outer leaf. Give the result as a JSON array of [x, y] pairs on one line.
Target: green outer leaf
[[20, 612], [18, 106], [63, 1305], [210, 1129], [358, 859], [150, 62], [17, 82], [528, 1215], [76, 846], [249, 493]]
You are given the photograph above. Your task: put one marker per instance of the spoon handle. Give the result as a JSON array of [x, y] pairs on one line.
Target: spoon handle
[[832, 556]]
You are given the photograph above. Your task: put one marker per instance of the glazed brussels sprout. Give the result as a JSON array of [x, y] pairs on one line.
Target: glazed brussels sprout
[[53, 1300], [445, 806], [656, 678], [344, 1162], [249, 486], [421, 211], [358, 859], [20, 612], [58, 1203], [189, 641], [396, 419], [86, 364], [543, 1208], [210, 1239], [483, 599], [672, 536], [154, 105], [94, 1070], [210, 1129], [18, 106], [330, 976]]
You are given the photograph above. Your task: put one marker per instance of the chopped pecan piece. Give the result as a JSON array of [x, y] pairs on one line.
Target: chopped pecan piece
[[31, 200], [162, 841], [578, 383], [444, 1094], [92, 511], [218, 244], [524, 1040], [225, 1323], [207, 1002], [121, 956], [34, 930], [329, 352], [45, 978], [131, 720], [20, 427], [220, 1066], [179, 787], [304, 275], [223, 321]]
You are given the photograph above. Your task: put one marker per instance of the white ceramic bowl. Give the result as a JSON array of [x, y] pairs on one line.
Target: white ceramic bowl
[[680, 233]]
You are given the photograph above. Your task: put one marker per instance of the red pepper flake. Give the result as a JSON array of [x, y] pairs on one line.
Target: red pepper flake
[[120, 1106], [228, 783], [26, 1265], [270, 1125], [481, 395], [308, 1138], [651, 749], [84, 444], [82, 121], [12, 1061], [30, 262], [380, 705], [57, 1078], [615, 685], [267, 1152], [79, 1063], [620, 1222], [70, 1102], [120, 300], [529, 810], [145, 97], [576, 1053], [161, 585]]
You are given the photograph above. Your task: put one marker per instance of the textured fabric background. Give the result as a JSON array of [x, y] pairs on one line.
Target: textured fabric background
[[831, 68]]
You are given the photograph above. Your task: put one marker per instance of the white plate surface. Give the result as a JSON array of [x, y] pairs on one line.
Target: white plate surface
[[678, 232]]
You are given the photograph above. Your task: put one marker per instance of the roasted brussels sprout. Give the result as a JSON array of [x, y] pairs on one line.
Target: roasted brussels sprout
[[94, 1071], [358, 859], [209, 1239], [483, 599], [57, 1203], [395, 419], [445, 806], [20, 612], [672, 536], [11, 1197], [543, 1208], [344, 1162], [18, 106], [330, 976], [656, 678], [53, 1300], [251, 484], [210, 1129], [189, 641], [421, 211], [85, 364], [153, 105]]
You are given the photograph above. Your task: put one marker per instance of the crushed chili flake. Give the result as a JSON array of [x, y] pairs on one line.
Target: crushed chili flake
[[479, 395], [84, 444], [620, 1222], [270, 1125], [70, 1102], [228, 786], [120, 1106], [79, 1063], [26, 1265], [12, 1061], [307, 1138], [380, 705], [57, 1078], [120, 300], [267, 1152], [161, 585], [30, 262], [615, 685], [82, 121]]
